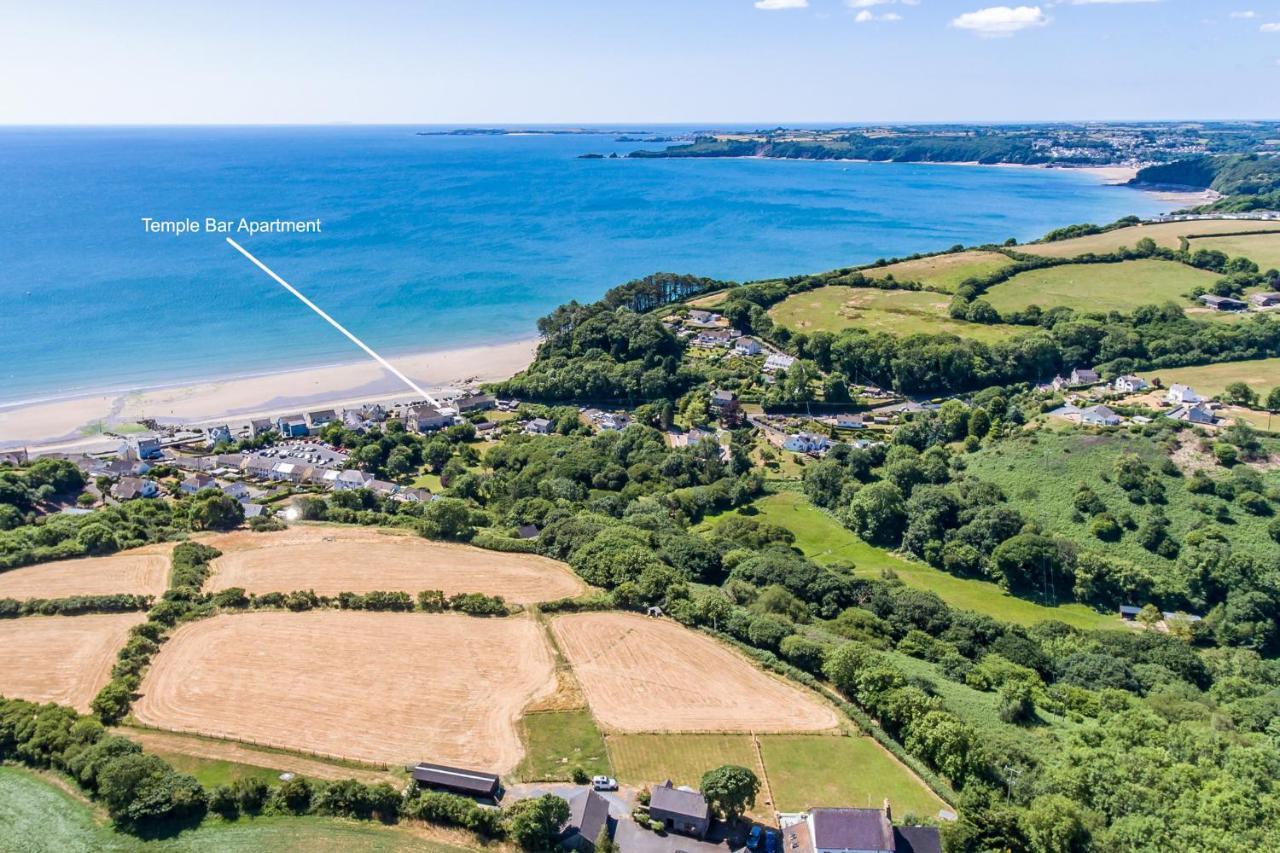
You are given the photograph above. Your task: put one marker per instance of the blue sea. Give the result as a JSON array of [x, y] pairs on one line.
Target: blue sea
[[427, 242]]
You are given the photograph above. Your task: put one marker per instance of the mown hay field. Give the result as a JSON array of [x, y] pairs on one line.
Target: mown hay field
[[330, 560], [379, 687], [1166, 234], [62, 659], [654, 675], [946, 272], [144, 571]]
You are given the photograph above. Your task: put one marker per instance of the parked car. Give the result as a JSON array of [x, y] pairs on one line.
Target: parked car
[[770, 841], [604, 783], [753, 838]]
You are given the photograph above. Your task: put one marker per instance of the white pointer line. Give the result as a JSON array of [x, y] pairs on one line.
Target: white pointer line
[[332, 322]]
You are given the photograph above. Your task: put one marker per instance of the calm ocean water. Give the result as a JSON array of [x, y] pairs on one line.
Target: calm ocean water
[[428, 242]]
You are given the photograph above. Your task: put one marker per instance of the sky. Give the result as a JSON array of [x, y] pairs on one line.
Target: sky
[[636, 61]]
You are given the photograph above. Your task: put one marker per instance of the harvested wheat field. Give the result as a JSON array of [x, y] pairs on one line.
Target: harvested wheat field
[[382, 687], [330, 560], [63, 659], [144, 571], [649, 675]]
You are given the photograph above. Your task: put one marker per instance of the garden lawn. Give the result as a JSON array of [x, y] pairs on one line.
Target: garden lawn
[[825, 541], [945, 272], [1099, 287], [899, 312], [556, 742], [840, 770], [645, 759]]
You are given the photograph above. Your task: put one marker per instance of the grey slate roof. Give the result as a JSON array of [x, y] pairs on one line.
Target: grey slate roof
[[671, 799], [851, 829], [917, 839], [588, 812]]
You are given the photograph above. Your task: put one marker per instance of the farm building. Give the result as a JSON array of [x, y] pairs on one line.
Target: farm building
[[1270, 299], [1223, 303], [840, 830], [473, 783], [588, 814], [682, 810]]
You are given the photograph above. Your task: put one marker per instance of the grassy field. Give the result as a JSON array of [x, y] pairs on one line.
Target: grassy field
[[1262, 249], [898, 312], [212, 772], [1099, 287], [1165, 234], [1260, 374], [945, 272], [1040, 473], [824, 540], [558, 741], [824, 770], [643, 759], [37, 816]]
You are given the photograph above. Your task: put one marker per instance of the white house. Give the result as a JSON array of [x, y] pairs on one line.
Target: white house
[[747, 346], [1129, 384], [778, 361], [195, 483], [538, 426], [1179, 394]]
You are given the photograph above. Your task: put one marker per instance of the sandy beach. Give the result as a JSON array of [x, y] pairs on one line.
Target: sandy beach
[[78, 422]]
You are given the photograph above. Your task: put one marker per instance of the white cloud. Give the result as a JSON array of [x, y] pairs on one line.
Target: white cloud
[[1244, 16], [1269, 28], [998, 21], [1106, 2], [866, 16], [866, 4], [774, 5]]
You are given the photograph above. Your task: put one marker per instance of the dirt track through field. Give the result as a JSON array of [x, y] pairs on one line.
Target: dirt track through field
[[144, 571], [63, 659], [383, 687], [333, 560], [651, 675]]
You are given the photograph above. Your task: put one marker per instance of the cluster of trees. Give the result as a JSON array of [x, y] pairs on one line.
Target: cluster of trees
[[21, 490], [142, 793]]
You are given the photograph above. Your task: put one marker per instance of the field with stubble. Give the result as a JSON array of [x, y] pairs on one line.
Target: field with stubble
[[144, 571], [330, 560], [654, 675], [63, 659], [391, 688]]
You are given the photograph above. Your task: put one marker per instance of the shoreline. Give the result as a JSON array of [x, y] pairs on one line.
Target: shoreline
[[78, 421]]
